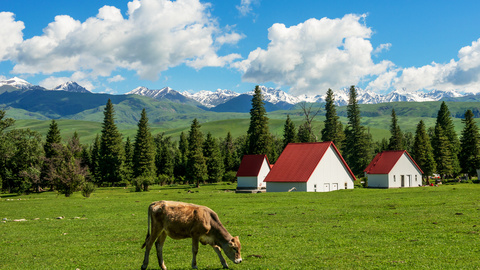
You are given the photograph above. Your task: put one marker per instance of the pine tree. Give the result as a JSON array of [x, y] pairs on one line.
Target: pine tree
[[469, 145], [53, 137], [422, 151], [333, 130], [442, 152], [5, 123], [289, 131], [396, 139], [95, 159], [111, 148], [196, 167], [164, 158], [181, 159], [143, 149], [229, 154], [451, 146], [258, 135], [128, 165], [357, 148], [213, 159]]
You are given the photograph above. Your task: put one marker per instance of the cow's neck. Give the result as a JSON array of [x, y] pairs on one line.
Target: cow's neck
[[221, 234]]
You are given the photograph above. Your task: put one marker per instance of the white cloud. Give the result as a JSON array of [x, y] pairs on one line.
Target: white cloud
[[155, 36], [10, 34], [245, 7], [462, 75], [116, 78], [79, 77], [315, 55]]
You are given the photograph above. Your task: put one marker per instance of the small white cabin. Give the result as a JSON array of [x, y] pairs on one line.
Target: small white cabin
[[393, 169], [252, 172], [311, 167]]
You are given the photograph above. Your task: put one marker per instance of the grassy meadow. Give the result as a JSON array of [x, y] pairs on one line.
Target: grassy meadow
[[410, 228]]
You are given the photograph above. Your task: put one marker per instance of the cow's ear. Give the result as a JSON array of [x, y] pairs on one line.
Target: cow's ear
[[231, 243]]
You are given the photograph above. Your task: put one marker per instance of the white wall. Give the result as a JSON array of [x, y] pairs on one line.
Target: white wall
[[404, 167], [330, 174], [284, 187], [254, 181]]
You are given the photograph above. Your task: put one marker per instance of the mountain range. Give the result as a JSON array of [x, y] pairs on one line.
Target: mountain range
[[229, 101]]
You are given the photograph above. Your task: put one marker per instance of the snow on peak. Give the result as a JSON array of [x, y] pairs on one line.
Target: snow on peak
[[211, 99], [71, 87], [16, 82]]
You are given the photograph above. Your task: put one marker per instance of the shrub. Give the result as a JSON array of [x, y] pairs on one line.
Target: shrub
[[164, 179], [142, 182], [87, 189]]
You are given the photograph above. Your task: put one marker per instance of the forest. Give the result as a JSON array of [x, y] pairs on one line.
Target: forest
[[31, 163]]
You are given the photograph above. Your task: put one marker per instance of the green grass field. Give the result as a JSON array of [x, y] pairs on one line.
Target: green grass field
[[411, 228]]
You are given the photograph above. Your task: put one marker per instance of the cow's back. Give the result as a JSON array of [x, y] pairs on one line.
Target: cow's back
[[181, 220]]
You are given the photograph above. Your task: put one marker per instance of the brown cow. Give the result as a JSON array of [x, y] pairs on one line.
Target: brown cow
[[184, 220]]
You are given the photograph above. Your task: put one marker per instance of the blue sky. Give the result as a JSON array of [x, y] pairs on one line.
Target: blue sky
[[302, 47]]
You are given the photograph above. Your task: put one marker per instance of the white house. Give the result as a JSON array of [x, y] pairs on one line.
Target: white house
[[252, 172], [393, 169], [312, 167]]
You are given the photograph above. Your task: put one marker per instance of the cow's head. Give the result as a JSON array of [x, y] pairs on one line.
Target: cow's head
[[232, 250]]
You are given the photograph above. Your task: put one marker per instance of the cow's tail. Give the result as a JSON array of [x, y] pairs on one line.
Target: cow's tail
[[148, 229]]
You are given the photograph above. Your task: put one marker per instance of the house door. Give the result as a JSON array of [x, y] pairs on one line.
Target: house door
[[326, 187], [409, 180], [334, 186], [402, 177]]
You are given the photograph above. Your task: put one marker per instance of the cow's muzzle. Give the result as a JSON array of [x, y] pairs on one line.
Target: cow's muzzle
[[238, 260]]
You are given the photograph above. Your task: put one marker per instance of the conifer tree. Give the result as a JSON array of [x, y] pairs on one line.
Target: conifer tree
[[289, 132], [258, 135], [181, 159], [213, 159], [450, 146], [442, 152], [143, 150], [357, 148], [396, 138], [95, 159], [470, 145], [196, 167], [229, 154], [422, 151], [333, 130], [111, 148], [164, 158], [5, 122], [128, 165], [53, 137]]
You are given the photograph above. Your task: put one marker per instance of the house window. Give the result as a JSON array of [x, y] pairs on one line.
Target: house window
[[394, 180], [315, 188], [416, 178]]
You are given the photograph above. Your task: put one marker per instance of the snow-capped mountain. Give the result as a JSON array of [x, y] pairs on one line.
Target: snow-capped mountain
[[165, 93], [71, 87], [211, 99], [17, 83]]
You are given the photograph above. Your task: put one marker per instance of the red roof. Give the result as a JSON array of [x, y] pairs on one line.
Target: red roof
[[298, 161], [251, 165], [384, 162]]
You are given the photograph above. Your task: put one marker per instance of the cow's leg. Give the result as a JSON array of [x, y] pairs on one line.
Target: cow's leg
[[148, 246], [194, 252], [219, 253], [159, 246]]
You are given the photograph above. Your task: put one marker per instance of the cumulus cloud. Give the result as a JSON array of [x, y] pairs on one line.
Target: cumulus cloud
[[79, 77], [315, 55], [462, 75], [116, 78], [155, 35], [10, 34]]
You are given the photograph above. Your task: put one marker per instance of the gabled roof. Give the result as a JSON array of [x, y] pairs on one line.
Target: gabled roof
[[384, 162], [251, 165], [298, 161]]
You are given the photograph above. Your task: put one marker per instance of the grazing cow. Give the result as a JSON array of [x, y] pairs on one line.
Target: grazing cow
[[183, 220]]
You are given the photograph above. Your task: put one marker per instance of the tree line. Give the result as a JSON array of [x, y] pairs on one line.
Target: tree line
[[30, 164]]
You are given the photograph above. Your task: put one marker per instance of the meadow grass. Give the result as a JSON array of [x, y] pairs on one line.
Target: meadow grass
[[410, 228]]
